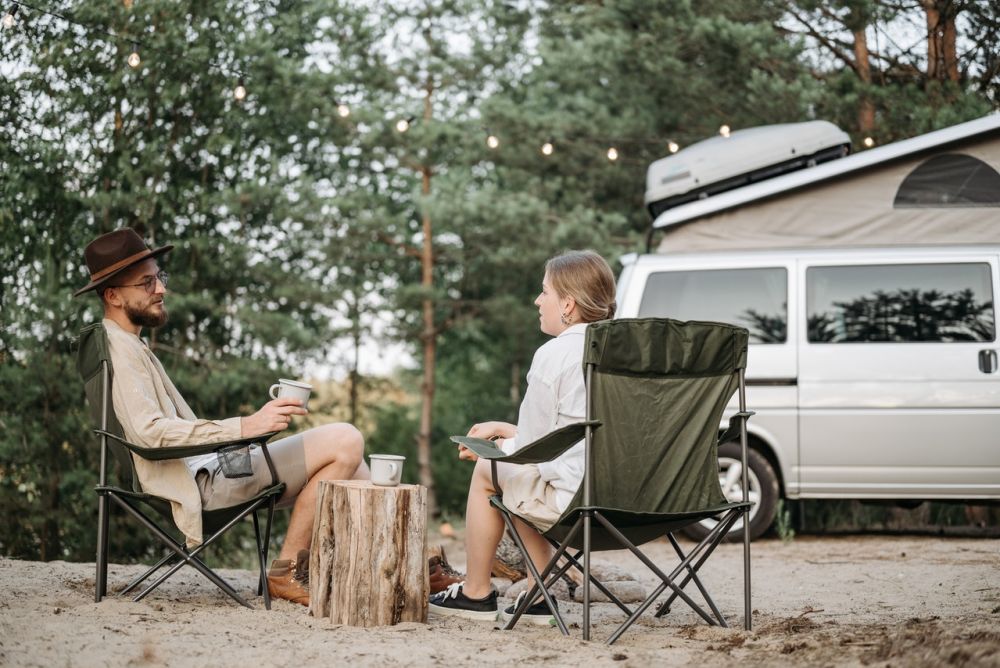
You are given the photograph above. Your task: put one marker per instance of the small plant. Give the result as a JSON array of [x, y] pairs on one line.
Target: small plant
[[783, 522]]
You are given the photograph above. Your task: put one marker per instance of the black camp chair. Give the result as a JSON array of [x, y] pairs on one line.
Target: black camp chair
[[656, 393], [94, 365]]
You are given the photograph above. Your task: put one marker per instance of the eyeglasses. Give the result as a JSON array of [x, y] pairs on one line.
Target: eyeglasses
[[148, 282]]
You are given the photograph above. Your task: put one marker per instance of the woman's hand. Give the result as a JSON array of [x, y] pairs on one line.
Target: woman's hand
[[492, 430]]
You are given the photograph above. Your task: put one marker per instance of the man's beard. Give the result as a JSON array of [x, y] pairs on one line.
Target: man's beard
[[146, 317]]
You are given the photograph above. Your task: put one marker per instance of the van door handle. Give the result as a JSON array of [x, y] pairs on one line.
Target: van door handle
[[987, 361]]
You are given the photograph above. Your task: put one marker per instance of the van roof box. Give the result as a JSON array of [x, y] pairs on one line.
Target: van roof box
[[746, 156]]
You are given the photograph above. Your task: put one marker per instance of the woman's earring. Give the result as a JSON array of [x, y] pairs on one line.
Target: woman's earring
[[564, 319]]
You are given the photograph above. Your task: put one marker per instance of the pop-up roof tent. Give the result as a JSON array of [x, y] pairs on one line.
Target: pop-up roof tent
[[939, 188]]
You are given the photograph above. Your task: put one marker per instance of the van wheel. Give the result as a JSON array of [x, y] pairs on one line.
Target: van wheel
[[763, 493]]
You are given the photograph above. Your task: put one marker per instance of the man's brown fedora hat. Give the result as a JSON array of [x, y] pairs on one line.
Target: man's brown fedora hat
[[110, 254]]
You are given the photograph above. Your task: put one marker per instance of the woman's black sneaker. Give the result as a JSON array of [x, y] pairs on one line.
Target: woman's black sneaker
[[538, 613], [452, 602]]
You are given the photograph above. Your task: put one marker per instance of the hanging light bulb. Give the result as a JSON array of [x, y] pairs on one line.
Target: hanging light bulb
[[673, 146], [724, 130], [240, 92], [133, 58], [547, 148], [612, 154], [343, 110], [493, 141], [869, 142], [403, 124], [10, 17]]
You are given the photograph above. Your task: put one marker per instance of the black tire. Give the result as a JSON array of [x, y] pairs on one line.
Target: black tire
[[762, 478]]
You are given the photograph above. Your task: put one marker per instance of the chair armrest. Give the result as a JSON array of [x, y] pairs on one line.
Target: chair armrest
[[544, 449], [181, 451], [732, 432]]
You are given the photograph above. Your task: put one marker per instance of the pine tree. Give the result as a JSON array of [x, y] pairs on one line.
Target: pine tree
[[92, 144]]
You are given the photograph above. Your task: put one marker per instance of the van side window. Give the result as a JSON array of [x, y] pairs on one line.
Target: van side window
[[900, 303], [753, 298]]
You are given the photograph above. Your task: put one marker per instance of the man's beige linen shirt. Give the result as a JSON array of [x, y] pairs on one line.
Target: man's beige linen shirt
[[154, 414]]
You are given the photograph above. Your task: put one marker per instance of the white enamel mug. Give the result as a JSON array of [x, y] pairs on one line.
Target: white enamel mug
[[386, 469], [291, 388]]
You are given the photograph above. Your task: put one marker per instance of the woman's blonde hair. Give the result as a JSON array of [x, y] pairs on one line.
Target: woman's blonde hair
[[587, 278]]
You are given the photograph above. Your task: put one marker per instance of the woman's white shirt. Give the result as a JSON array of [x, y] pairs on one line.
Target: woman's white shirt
[[556, 396]]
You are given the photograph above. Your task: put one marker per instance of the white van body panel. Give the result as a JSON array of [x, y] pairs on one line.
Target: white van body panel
[[912, 419], [915, 420]]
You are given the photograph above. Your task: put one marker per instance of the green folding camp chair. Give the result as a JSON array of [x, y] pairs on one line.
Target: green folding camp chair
[[657, 391], [94, 365]]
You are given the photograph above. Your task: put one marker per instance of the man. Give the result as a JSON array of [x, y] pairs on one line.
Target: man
[[125, 275]]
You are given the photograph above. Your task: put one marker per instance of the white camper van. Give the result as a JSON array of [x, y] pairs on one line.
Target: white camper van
[[868, 285]]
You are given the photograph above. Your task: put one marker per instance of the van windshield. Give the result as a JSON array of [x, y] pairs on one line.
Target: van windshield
[[753, 298]]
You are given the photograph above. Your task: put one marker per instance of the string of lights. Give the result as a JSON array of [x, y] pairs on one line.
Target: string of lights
[[613, 150], [134, 60]]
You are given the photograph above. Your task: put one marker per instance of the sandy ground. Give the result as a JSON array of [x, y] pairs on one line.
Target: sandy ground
[[872, 600]]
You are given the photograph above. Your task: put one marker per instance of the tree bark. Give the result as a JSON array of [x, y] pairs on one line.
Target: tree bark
[[429, 333], [50, 546], [355, 311], [515, 384], [368, 562], [866, 108], [942, 53]]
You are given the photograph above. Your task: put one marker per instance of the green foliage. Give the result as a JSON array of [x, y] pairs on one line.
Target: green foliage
[[907, 98], [91, 145], [844, 516], [783, 522]]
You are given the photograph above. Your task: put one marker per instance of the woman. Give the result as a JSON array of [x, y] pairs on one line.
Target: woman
[[578, 288]]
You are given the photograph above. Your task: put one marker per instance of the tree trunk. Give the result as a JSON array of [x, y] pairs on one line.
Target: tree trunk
[[50, 545], [515, 384], [355, 311], [942, 53], [866, 108], [368, 562], [428, 335]]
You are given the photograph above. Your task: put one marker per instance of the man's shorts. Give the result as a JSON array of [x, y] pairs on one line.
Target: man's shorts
[[527, 495], [289, 458]]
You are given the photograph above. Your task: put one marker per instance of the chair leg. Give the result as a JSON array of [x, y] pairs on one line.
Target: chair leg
[[538, 577], [101, 578], [167, 558], [262, 546], [692, 574], [267, 546], [666, 581], [549, 576], [587, 518], [707, 545], [747, 613], [186, 557], [260, 553], [574, 562], [202, 568]]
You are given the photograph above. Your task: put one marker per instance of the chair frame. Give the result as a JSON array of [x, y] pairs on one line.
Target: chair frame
[[688, 567], [177, 552]]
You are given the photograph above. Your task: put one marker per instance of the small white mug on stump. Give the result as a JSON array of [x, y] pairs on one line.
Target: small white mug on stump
[[386, 469]]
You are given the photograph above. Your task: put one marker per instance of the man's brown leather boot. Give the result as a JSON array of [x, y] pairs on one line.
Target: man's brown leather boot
[[289, 579], [441, 573]]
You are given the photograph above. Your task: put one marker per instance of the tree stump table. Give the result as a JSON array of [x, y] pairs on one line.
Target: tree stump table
[[368, 563]]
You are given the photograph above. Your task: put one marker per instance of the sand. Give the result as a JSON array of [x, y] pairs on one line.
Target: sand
[[834, 601]]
